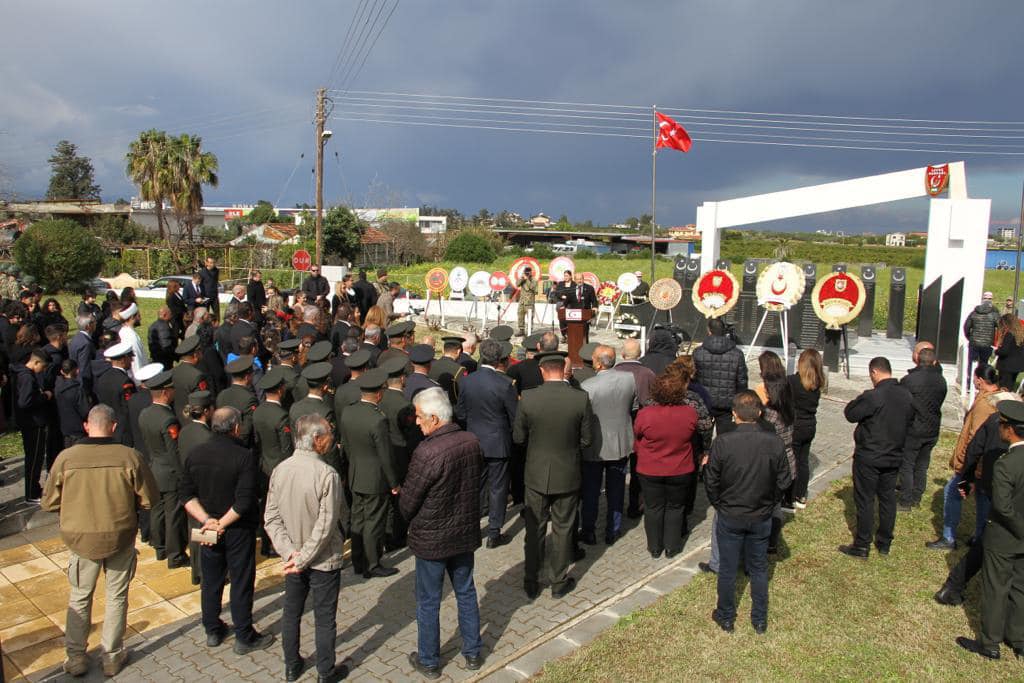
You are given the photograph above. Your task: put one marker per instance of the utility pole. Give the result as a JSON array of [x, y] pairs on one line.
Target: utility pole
[[1016, 270], [320, 116]]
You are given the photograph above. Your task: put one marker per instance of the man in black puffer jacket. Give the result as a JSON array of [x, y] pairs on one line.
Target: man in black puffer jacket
[[928, 388], [661, 350], [722, 370], [441, 501], [980, 330]]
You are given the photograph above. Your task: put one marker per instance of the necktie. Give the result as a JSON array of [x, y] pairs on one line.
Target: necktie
[[579, 294]]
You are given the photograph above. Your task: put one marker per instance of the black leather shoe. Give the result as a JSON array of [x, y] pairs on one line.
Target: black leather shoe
[[706, 568], [338, 673], [293, 673], [1018, 652], [496, 541], [760, 628], [854, 551], [474, 663], [948, 596], [161, 556], [589, 538], [578, 554], [609, 539], [178, 563], [430, 672], [972, 645], [379, 572], [532, 589], [634, 513], [882, 549], [260, 641], [566, 587], [216, 637], [727, 626], [941, 544], [655, 554]]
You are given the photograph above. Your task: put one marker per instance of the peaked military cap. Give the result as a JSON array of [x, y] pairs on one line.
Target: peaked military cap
[[587, 352], [453, 340], [239, 366], [273, 379], [372, 380], [400, 329], [159, 381], [501, 333], [548, 356], [149, 371], [359, 359], [187, 345], [319, 351], [118, 350], [1011, 411], [394, 366], [421, 354], [506, 348], [317, 372], [290, 345], [531, 342], [200, 399]]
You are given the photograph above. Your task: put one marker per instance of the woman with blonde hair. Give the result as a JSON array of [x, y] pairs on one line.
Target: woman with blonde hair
[[376, 316], [1010, 354], [806, 383]]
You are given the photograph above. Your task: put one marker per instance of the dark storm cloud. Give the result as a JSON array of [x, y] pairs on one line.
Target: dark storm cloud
[[242, 76]]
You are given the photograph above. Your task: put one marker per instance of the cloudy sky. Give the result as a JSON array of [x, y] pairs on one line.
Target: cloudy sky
[[243, 74]]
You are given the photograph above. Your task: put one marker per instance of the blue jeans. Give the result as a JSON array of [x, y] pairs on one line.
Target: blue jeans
[[983, 505], [429, 585], [951, 506], [614, 474], [739, 538]]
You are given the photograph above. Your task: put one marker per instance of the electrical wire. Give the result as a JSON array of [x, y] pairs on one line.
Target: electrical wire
[[373, 44], [277, 202], [338, 61], [362, 38]]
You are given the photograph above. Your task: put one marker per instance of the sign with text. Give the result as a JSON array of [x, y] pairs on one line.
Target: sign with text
[[301, 260]]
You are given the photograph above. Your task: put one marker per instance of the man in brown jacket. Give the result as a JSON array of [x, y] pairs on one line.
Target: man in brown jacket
[[97, 486]]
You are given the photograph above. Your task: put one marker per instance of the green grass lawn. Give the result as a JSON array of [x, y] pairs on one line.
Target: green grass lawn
[[830, 616]]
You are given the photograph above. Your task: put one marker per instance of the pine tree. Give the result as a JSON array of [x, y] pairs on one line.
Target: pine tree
[[72, 175]]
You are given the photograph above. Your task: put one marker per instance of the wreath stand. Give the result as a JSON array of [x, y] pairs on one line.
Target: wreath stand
[[784, 328], [439, 298]]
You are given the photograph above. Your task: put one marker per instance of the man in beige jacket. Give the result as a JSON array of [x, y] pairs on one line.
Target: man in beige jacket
[[97, 486], [303, 510]]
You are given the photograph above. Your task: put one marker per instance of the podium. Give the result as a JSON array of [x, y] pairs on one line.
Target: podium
[[575, 321]]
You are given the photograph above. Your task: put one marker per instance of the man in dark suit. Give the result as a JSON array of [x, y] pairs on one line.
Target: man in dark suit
[[554, 421], [193, 292], [487, 408], [527, 373], [209, 276], [245, 326], [581, 296], [82, 350], [256, 295], [366, 295], [883, 416], [1002, 572]]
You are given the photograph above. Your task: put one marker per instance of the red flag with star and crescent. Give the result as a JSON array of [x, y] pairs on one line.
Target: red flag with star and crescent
[[671, 134]]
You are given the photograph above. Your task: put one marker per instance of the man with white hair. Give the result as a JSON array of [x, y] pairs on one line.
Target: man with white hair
[[82, 349], [303, 510], [200, 316], [237, 294], [465, 359], [130, 319], [440, 500]]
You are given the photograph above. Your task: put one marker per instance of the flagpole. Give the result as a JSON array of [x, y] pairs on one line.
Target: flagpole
[[654, 184]]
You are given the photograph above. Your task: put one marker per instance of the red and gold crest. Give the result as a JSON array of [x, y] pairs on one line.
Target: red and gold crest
[[936, 179], [436, 280], [715, 293], [780, 286], [838, 298]]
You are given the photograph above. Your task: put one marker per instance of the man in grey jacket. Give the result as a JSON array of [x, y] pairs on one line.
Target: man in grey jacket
[[980, 330], [613, 398], [303, 509]]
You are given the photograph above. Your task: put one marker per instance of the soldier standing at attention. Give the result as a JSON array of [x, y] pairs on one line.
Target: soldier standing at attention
[[405, 436], [373, 474], [240, 395], [141, 400], [1002, 571], [273, 436], [348, 393], [318, 401], [115, 388], [400, 339], [160, 431], [295, 386], [446, 370], [554, 422], [188, 378], [421, 356], [527, 297], [195, 433]]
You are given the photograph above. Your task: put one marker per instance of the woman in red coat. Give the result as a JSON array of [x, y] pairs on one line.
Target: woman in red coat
[[664, 460]]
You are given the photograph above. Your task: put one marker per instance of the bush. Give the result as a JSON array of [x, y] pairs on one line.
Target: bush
[[470, 247], [58, 253]]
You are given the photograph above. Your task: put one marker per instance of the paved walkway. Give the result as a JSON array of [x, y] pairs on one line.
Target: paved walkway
[[376, 619]]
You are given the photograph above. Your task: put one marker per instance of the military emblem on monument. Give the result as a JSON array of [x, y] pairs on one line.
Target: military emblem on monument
[[838, 298], [936, 179], [715, 293], [665, 294], [780, 286]]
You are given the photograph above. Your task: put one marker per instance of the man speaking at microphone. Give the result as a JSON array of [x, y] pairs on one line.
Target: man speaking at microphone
[[581, 296]]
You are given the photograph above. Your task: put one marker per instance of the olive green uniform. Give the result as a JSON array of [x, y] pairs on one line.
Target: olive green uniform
[[314, 405], [1002, 572], [187, 379], [372, 472], [554, 422], [296, 386], [243, 399], [447, 373], [193, 435], [527, 297], [272, 437], [167, 529], [405, 436], [395, 353]]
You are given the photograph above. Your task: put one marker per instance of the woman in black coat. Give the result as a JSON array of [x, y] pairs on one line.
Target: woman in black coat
[[1010, 354], [807, 383], [176, 303]]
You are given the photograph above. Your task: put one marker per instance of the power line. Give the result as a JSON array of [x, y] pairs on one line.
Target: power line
[[373, 44], [362, 38], [344, 43]]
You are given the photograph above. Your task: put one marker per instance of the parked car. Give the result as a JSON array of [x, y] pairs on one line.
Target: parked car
[[160, 284]]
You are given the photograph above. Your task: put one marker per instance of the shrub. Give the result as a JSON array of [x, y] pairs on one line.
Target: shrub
[[58, 253], [470, 247]]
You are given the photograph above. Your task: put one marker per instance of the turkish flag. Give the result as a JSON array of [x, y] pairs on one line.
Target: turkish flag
[[671, 134]]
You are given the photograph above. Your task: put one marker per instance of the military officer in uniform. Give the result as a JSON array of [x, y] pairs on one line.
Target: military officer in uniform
[[188, 378], [139, 401], [582, 374], [319, 352], [527, 297], [373, 474], [115, 388], [501, 333], [1002, 571], [446, 370], [160, 431], [348, 393], [294, 384], [554, 422], [273, 436], [421, 356], [400, 339], [240, 396], [405, 436], [320, 402], [194, 433]]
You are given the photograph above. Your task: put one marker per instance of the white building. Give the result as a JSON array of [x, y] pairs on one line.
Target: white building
[[1006, 234], [896, 239], [433, 225]]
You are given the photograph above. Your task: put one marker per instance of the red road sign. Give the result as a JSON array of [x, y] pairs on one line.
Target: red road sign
[[301, 260]]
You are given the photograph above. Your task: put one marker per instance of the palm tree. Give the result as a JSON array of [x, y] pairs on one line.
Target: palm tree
[[190, 168], [147, 167]]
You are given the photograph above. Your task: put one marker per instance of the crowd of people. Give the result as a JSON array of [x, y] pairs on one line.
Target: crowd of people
[[292, 424]]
